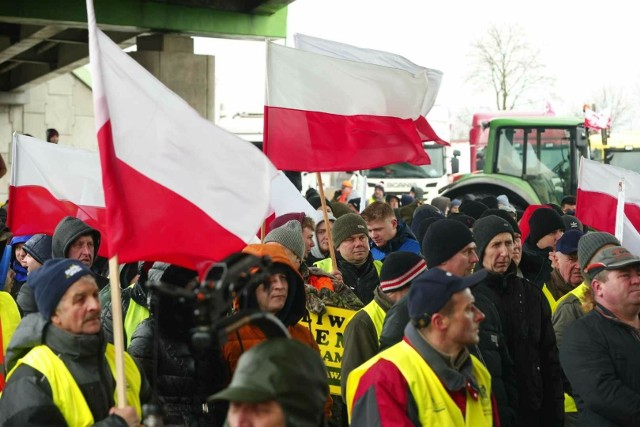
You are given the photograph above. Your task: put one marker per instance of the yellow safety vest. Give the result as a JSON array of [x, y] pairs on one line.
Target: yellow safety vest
[[136, 313], [326, 265], [435, 406], [552, 301], [579, 292], [9, 319], [377, 315], [65, 391]]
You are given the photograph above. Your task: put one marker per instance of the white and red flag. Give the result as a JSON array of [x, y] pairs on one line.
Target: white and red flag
[[608, 199], [51, 181], [597, 121], [177, 188], [327, 113]]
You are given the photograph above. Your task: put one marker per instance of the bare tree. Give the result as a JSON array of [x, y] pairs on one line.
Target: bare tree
[[505, 61], [620, 103]]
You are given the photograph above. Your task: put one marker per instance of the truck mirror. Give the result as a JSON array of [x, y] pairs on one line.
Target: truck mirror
[[581, 138], [456, 153], [455, 164]]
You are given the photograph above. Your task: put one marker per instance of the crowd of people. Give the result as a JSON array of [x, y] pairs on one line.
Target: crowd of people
[[465, 312]]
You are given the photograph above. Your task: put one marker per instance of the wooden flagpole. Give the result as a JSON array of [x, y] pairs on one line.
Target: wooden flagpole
[[118, 331], [332, 251]]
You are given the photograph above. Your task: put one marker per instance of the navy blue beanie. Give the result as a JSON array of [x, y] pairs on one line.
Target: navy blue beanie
[[51, 281]]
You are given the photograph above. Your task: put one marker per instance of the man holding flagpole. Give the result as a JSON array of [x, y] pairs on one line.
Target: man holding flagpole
[[65, 375]]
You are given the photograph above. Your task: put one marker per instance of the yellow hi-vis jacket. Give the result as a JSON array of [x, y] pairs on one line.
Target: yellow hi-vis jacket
[[579, 292], [9, 319], [435, 406], [65, 391]]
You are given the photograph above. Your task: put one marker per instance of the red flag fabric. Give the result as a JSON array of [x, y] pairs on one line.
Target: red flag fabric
[[51, 181], [177, 188], [325, 113], [597, 200]]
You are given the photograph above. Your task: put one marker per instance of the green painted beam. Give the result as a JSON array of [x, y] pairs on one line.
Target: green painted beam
[[141, 15]]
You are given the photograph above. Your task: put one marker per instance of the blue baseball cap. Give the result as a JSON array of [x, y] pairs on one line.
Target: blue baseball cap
[[568, 243], [433, 289]]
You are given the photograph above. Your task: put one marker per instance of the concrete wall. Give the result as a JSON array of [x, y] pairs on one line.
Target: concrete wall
[[64, 103]]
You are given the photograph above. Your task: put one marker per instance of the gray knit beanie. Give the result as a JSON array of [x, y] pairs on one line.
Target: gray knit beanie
[[346, 226], [486, 228], [591, 243], [288, 235]]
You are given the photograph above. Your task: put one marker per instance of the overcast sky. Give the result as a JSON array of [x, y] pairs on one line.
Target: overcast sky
[[585, 44]]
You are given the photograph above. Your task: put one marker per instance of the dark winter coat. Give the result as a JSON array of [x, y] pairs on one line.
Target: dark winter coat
[[27, 398], [599, 355], [362, 280], [535, 265], [526, 323]]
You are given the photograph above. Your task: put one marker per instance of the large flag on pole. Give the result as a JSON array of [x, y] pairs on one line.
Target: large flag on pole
[[600, 188], [51, 181], [177, 188], [326, 113]]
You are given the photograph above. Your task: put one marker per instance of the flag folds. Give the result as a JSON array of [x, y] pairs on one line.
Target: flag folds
[[49, 182], [177, 188], [327, 113], [597, 200]]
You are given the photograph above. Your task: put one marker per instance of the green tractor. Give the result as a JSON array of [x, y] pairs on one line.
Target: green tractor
[[532, 160]]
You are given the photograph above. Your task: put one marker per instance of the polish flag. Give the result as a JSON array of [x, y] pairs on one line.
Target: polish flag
[[177, 188], [600, 188], [325, 113], [51, 181]]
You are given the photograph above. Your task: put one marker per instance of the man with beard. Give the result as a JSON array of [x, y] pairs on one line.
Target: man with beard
[[65, 373]]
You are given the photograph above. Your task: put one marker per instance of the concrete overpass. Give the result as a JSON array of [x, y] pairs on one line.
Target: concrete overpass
[[41, 39]]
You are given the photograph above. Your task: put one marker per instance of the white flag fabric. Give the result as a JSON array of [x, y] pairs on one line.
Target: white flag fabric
[[177, 188], [597, 200], [51, 181]]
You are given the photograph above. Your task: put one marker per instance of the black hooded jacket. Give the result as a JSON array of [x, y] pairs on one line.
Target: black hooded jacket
[[526, 322], [535, 265]]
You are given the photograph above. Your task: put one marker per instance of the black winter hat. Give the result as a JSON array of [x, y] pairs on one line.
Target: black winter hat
[[490, 202], [67, 231], [399, 269], [51, 281], [485, 229], [542, 222], [465, 219], [443, 240], [346, 226], [472, 208], [424, 226], [316, 202], [504, 215], [421, 213], [572, 223], [39, 247]]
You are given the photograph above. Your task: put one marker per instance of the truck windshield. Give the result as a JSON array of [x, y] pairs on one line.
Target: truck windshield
[[542, 156], [405, 170], [626, 159]]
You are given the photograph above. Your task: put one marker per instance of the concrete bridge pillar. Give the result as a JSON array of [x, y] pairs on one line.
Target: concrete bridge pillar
[[170, 58]]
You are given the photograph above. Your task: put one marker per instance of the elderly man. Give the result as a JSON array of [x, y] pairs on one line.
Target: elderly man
[[526, 317], [566, 273], [279, 383], [356, 265], [66, 372], [429, 378], [600, 351], [387, 234]]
